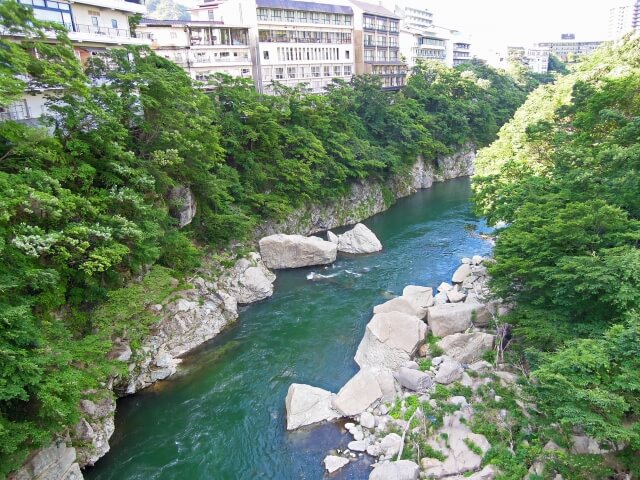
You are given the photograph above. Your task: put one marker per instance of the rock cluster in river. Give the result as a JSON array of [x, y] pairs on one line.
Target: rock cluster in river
[[388, 374]]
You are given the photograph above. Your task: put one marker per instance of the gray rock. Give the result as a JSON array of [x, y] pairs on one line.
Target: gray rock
[[506, 378], [467, 347], [182, 205], [440, 298], [294, 251], [367, 420], [461, 273], [332, 237], [55, 462], [390, 445], [449, 371], [450, 318], [359, 240], [476, 260], [398, 304], [455, 296], [582, 444], [358, 445], [481, 366], [400, 470], [420, 297], [444, 287], [459, 458], [466, 260], [412, 364], [121, 351], [390, 340], [333, 463], [414, 379], [306, 405], [358, 394], [249, 280]]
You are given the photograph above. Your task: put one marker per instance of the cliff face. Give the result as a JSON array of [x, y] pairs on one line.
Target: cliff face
[[195, 316], [368, 198]]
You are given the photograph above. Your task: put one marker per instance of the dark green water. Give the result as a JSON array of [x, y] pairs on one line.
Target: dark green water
[[223, 416]]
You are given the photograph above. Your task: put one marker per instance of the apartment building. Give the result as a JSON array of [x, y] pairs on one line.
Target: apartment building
[[417, 44], [293, 43], [93, 25], [624, 17], [570, 51], [534, 58], [377, 44], [202, 48]]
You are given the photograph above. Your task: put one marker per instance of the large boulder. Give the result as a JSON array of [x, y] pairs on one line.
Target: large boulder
[[453, 442], [390, 340], [398, 304], [414, 379], [359, 240], [249, 280], [461, 273], [294, 251], [400, 470], [467, 347], [182, 205], [449, 371], [420, 297], [333, 463], [306, 405], [451, 318], [358, 394], [55, 462]]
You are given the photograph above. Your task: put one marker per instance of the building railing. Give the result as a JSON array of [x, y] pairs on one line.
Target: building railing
[[109, 32], [304, 40]]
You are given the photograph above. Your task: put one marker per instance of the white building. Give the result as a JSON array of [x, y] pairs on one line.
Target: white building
[[535, 58], [93, 25], [624, 17], [292, 42], [202, 48]]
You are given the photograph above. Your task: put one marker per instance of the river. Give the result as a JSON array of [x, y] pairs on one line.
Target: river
[[223, 417]]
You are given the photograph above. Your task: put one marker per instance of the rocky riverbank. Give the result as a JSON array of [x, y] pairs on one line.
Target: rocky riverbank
[[422, 365], [193, 316]]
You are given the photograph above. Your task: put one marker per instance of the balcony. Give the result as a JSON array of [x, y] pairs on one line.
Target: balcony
[[134, 6], [98, 34]]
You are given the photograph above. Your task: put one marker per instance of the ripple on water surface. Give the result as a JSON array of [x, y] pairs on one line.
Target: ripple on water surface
[[223, 416]]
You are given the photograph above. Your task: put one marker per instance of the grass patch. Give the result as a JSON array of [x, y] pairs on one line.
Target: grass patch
[[425, 364]]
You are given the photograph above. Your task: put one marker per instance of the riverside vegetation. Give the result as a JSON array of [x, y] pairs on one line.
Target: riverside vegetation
[[87, 240], [563, 175]]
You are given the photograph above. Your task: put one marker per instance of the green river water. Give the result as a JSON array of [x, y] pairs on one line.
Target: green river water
[[223, 417]]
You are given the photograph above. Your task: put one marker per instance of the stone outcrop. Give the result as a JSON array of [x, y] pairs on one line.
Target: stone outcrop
[[358, 394], [390, 340], [295, 251], [467, 347], [450, 371], [359, 240], [182, 205], [420, 297], [334, 463], [398, 304], [94, 430], [56, 462], [249, 280], [306, 405], [400, 470], [450, 318], [414, 380]]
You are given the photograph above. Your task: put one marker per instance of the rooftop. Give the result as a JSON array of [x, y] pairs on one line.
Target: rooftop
[[177, 23], [375, 9], [306, 6]]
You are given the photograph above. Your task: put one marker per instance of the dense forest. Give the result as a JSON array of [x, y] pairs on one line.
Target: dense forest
[[564, 178], [87, 239]]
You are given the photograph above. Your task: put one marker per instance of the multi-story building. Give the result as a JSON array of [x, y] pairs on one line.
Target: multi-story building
[[534, 58], [93, 25], [624, 17], [419, 18], [571, 51], [202, 48], [292, 42], [377, 44], [461, 49], [416, 45]]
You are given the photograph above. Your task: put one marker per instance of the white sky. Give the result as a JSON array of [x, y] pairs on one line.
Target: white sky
[[493, 24]]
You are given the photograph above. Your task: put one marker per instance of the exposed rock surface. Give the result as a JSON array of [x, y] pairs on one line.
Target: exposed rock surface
[[461, 273], [306, 405], [295, 251], [333, 463], [56, 462], [450, 318], [390, 340], [414, 380], [398, 304], [467, 347], [182, 205], [95, 429], [357, 394], [359, 240], [420, 297], [450, 371], [332, 237], [249, 280], [400, 470]]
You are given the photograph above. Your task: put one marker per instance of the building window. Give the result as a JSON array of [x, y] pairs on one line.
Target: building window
[[244, 71], [291, 72], [302, 17], [347, 20], [114, 23], [347, 54], [327, 70], [347, 69], [265, 55], [337, 71], [276, 15], [279, 73], [382, 41], [382, 55], [368, 22], [263, 14], [326, 18], [173, 35], [315, 17], [368, 55], [94, 21], [315, 71], [290, 16], [210, 14]]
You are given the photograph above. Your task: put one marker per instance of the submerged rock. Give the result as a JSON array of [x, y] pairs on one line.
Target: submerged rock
[[306, 405], [333, 463], [294, 251], [359, 240]]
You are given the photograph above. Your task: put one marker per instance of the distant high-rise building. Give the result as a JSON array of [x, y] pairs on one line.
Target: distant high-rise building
[[624, 17], [534, 58], [570, 51]]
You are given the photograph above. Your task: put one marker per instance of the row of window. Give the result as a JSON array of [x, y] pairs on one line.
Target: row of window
[[380, 40], [301, 16], [381, 56], [461, 46], [293, 54], [217, 36], [388, 70], [317, 71], [204, 76], [431, 41], [380, 23], [299, 36], [208, 57], [429, 53]]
